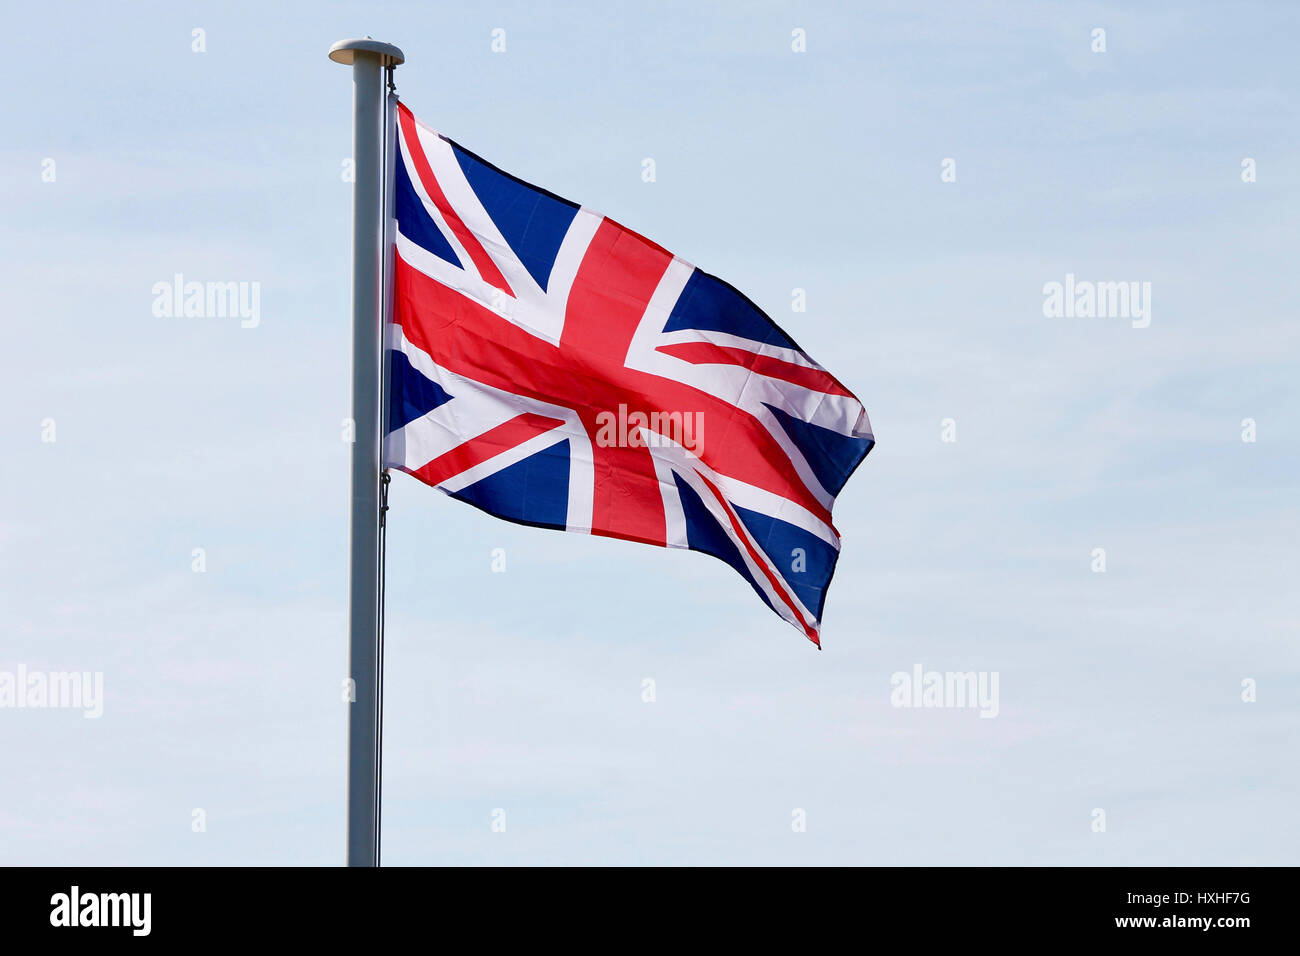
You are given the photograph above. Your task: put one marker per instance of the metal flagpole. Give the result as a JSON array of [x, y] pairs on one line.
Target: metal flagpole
[[369, 60]]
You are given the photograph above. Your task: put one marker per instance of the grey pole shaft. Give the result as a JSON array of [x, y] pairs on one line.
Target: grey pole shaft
[[368, 59]]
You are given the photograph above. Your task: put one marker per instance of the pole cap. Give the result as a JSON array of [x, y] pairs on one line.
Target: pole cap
[[345, 51]]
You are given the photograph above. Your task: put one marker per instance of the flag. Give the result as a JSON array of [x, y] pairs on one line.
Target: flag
[[554, 368]]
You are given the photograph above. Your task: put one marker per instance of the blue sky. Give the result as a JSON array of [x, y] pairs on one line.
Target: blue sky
[[522, 690]]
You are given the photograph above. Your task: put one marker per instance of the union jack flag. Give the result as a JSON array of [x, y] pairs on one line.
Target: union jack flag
[[556, 369]]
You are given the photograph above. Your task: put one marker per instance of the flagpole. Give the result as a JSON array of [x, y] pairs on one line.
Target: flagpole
[[369, 60]]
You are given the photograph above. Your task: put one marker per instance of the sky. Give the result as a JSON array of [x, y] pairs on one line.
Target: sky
[[175, 490]]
